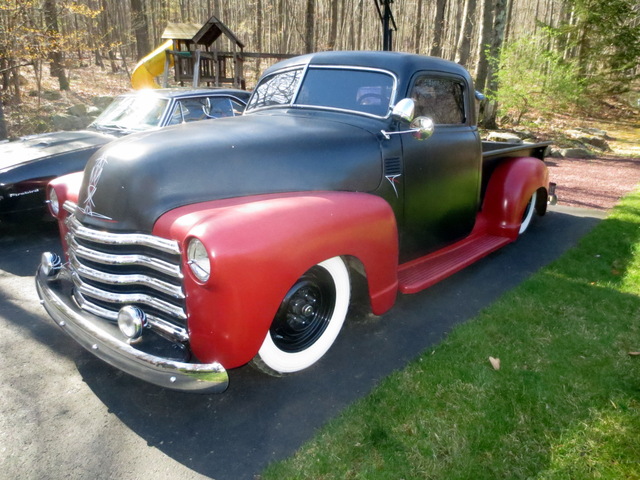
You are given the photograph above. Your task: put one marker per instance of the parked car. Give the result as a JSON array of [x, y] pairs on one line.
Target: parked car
[[28, 164], [350, 175]]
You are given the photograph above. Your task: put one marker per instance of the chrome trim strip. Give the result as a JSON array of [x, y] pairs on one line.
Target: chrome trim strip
[[125, 279], [128, 259], [128, 298], [107, 238], [177, 333], [103, 341]]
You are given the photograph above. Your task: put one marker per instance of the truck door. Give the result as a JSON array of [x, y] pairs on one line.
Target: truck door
[[442, 174]]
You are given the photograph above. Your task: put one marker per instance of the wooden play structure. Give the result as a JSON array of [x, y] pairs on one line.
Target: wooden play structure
[[208, 54]]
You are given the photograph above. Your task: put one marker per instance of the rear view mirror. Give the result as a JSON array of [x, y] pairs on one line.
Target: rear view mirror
[[423, 127], [404, 110]]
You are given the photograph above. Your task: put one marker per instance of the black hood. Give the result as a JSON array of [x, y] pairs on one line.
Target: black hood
[[136, 179]]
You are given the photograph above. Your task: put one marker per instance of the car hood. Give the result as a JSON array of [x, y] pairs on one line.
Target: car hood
[[38, 147], [136, 179]]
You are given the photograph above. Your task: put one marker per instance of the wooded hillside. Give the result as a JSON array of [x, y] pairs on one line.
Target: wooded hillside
[[524, 54]]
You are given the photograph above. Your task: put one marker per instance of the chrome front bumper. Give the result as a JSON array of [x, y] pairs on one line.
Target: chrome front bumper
[[104, 341]]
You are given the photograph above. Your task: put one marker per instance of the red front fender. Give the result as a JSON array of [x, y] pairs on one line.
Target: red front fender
[[67, 187], [508, 192], [259, 246]]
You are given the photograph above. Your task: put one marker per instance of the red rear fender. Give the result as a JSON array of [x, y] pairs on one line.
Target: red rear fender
[[259, 246], [509, 189]]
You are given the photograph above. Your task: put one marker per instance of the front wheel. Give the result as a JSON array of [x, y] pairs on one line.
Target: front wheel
[[308, 320], [527, 215]]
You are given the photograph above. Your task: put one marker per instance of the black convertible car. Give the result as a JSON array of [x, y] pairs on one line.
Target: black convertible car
[[28, 164]]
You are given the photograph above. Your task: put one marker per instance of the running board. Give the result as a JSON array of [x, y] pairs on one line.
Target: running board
[[426, 271]]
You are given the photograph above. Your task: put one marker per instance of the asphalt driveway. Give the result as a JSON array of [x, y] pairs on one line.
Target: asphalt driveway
[[65, 414]]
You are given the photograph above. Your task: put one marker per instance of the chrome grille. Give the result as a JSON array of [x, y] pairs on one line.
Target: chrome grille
[[111, 270]]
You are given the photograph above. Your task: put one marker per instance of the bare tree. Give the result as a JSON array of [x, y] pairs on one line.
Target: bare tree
[[309, 33], [55, 56], [140, 27], [463, 49], [438, 29], [3, 123]]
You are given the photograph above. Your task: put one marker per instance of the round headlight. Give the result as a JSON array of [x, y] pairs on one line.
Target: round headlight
[[131, 321], [198, 259], [54, 203]]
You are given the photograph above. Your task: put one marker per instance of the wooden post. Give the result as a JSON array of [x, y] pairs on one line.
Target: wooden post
[[196, 69], [165, 77]]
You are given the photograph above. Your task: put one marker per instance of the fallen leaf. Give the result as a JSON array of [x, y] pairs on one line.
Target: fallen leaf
[[495, 363]]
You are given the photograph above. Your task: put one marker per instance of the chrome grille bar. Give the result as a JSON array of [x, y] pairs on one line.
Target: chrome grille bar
[[156, 323], [123, 259], [106, 238], [127, 279], [128, 298]]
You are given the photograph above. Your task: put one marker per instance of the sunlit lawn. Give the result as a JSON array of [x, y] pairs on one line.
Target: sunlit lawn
[[564, 404]]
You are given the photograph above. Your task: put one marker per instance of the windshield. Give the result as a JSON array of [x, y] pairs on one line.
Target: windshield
[[133, 112], [363, 91]]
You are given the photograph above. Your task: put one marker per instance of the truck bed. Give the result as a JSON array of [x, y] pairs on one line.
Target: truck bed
[[493, 150], [493, 153]]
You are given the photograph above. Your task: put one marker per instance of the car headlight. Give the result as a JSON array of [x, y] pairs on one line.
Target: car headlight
[[198, 260], [54, 203]]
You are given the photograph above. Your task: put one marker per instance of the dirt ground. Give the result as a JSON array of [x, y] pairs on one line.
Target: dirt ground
[[600, 182]]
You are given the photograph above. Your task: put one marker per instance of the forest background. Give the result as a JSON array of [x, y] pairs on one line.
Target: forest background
[[529, 57]]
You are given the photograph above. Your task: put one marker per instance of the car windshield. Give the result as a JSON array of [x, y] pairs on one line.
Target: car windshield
[[132, 112], [363, 91]]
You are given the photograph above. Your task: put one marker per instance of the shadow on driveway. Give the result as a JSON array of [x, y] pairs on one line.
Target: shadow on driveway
[[261, 419]]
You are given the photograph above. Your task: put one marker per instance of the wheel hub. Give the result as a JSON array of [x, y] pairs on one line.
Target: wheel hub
[[305, 312]]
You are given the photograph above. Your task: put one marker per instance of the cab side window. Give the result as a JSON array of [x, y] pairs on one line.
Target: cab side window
[[440, 98]]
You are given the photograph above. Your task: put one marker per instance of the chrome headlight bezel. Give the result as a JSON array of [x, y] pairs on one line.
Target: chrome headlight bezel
[[199, 260], [53, 202]]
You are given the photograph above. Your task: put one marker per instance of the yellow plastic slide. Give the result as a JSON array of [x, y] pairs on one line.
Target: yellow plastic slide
[[151, 66]]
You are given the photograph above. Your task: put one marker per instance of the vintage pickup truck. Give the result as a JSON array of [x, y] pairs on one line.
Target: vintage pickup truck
[[194, 250]]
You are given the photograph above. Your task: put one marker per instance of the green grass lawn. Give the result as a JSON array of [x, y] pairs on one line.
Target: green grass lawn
[[564, 404]]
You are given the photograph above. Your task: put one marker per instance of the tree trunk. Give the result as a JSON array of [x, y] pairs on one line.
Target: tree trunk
[[418, 30], [482, 67], [333, 26], [140, 27], [491, 107], [438, 29], [3, 123], [106, 35], [259, 35], [309, 31], [464, 39], [55, 56]]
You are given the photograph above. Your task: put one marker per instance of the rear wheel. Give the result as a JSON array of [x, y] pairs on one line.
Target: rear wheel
[[527, 215], [308, 320]]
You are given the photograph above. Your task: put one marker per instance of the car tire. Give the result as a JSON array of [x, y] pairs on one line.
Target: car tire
[[308, 320], [527, 215]]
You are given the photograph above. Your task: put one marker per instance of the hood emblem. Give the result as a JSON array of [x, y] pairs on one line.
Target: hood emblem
[[96, 172]]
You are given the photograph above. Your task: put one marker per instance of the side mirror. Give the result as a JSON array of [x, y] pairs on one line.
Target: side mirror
[[422, 127], [404, 110]]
